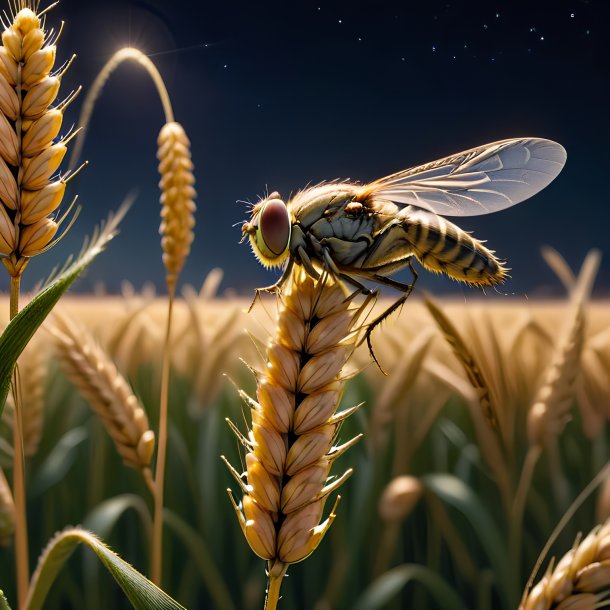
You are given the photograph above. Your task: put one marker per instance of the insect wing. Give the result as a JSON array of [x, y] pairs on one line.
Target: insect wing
[[477, 181]]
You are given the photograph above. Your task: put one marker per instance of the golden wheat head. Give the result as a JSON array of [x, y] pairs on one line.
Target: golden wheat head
[[30, 153], [291, 446], [177, 198], [581, 579], [108, 393]]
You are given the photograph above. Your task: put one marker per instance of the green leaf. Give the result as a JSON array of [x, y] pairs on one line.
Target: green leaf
[[3, 603], [103, 518], [456, 493], [23, 326], [59, 461], [142, 593], [388, 585]]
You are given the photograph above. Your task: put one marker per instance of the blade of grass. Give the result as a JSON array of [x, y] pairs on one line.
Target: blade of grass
[[460, 496], [142, 593], [389, 585]]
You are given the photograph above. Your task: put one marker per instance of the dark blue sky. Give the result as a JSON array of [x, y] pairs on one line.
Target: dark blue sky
[[281, 94]]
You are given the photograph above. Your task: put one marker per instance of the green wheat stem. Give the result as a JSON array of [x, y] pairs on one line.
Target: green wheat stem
[[159, 482], [21, 531]]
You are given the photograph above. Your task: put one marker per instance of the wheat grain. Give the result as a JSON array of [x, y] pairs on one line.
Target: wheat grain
[[177, 198], [579, 581], [109, 395], [295, 425], [29, 152]]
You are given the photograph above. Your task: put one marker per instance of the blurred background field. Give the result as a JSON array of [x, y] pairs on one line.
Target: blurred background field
[[453, 517]]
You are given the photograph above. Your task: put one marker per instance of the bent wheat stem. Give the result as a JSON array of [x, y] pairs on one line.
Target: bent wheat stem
[[122, 55], [177, 200]]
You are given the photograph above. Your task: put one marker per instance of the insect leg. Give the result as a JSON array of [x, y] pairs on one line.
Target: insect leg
[[274, 287], [406, 289], [334, 270], [306, 262]]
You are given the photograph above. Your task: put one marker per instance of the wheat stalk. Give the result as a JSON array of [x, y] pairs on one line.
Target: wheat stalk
[[108, 393], [177, 197], [29, 197], [7, 511], [178, 207], [291, 446], [579, 581], [549, 413], [32, 376]]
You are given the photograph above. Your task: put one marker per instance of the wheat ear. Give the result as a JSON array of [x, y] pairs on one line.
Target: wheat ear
[[108, 393], [291, 446], [550, 412], [177, 198], [581, 579], [468, 361], [29, 152]]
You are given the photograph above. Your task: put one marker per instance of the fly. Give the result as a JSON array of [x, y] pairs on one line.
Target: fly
[[369, 232]]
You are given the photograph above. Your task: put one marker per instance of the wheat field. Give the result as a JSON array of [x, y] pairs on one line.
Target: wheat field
[[431, 501], [208, 451]]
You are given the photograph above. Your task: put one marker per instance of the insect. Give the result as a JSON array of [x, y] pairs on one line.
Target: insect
[[368, 232]]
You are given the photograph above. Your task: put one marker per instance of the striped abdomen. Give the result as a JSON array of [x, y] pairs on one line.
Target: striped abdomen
[[443, 247]]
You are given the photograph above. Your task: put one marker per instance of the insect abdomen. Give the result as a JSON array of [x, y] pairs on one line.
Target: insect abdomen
[[443, 247]]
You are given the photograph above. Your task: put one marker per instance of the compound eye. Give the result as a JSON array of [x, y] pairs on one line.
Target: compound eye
[[273, 231]]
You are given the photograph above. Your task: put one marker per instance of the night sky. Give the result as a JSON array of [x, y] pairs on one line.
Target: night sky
[[277, 95]]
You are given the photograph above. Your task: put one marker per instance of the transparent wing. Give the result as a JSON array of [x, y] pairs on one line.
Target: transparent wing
[[477, 181]]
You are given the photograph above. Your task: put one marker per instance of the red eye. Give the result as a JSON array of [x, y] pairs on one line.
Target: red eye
[[274, 225]]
